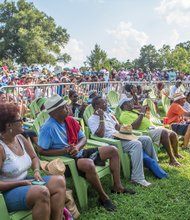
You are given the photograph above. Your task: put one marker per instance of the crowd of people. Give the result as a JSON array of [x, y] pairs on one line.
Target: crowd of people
[[35, 75], [62, 135]]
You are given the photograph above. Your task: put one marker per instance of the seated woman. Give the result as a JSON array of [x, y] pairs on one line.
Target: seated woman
[[16, 157], [75, 109], [132, 91]]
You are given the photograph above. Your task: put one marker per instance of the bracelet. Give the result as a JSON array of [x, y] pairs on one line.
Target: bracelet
[[36, 170], [101, 120]]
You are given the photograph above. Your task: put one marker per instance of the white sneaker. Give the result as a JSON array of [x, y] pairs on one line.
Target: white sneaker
[[142, 183]]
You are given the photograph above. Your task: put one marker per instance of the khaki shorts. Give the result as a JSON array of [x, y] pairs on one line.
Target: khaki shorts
[[155, 134]]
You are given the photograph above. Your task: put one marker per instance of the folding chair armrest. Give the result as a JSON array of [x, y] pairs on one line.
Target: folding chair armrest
[[96, 143], [106, 140], [138, 133]]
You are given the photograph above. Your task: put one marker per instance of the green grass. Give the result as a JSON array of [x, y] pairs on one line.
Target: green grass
[[165, 199]]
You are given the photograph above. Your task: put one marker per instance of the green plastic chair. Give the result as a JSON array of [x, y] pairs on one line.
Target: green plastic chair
[[113, 99], [39, 121], [5, 215], [34, 109], [80, 184], [40, 101], [124, 158], [165, 103], [154, 117], [151, 94], [117, 112]]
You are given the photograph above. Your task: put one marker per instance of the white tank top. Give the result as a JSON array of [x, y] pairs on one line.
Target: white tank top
[[14, 167]]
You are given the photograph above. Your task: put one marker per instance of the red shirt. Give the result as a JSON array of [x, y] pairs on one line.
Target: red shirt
[[175, 113]]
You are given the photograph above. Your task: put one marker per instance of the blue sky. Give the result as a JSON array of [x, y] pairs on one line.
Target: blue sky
[[120, 27]]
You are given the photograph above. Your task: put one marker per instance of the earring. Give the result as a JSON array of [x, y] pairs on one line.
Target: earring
[[10, 130]]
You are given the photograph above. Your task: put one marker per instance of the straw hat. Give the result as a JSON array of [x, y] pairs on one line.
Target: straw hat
[[54, 102], [125, 133], [178, 96], [54, 167], [29, 76]]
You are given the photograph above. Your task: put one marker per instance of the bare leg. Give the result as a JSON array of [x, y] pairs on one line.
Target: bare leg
[[87, 166], [187, 137], [112, 154], [165, 140], [57, 189], [174, 143], [38, 198]]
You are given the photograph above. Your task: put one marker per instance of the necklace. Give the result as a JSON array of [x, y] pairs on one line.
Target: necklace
[[10, 145]]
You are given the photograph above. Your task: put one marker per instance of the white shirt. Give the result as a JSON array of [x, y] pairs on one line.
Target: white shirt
[[109, 123], [186, 106]]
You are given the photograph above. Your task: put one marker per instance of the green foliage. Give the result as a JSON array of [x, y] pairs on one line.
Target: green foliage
[[7, 62], [97, 58], [165, 57], [29, 36], [148, 57]]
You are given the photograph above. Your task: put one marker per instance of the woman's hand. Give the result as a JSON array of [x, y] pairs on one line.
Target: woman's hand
[[37, 176], [25, 182]]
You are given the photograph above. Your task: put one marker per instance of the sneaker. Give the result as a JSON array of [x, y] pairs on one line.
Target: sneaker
[[142, 183], [107, 204]]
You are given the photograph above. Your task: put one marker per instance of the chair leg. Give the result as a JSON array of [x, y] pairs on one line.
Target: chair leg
[[81, 186]]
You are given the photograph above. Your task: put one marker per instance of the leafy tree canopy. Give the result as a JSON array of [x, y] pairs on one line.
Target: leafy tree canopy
[[97, 58], [29, 36]]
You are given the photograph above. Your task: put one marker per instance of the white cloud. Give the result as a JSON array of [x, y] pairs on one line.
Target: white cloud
[[127, 41], [75, 49], [175, 12], [171, 39]]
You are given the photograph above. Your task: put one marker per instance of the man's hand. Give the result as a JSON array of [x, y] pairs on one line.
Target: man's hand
[[72, 150], [99, 112]]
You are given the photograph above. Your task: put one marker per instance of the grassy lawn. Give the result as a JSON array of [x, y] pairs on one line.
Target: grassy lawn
[[165, 199]]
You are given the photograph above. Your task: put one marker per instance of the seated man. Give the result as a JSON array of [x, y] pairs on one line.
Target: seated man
[[102, 124], [159, 135], [176, 115], [61, 135]]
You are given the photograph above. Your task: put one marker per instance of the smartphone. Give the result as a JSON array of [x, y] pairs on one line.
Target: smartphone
[[34, 182]]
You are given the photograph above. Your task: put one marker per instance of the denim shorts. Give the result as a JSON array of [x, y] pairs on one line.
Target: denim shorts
[[15, 198], [180, 129]]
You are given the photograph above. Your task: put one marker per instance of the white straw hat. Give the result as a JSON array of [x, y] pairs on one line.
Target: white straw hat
[[54, 102]]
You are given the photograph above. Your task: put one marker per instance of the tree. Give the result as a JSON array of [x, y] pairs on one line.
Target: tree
[[97, 58], [29, 36], [149, 57], [115, 64], [180, 59], [165, 59], [185, 45]]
